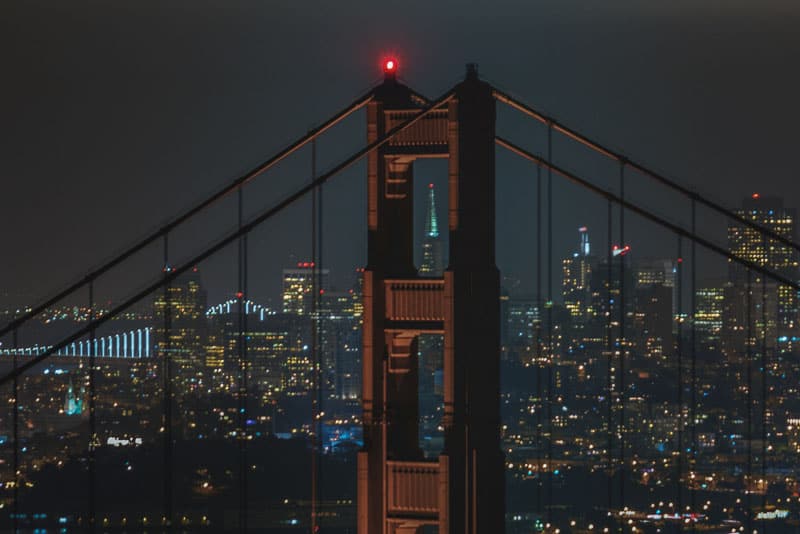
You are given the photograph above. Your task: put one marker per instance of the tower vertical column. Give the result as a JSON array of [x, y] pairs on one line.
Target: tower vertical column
[[472, 323], [398, 490]]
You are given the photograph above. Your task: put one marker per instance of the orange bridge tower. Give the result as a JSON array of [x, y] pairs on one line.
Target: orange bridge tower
[[400, 491]]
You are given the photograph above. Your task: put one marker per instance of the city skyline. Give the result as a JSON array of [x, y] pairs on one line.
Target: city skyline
[[736, 40], [560, 297]]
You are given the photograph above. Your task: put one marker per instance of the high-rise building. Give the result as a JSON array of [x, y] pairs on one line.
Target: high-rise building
[[521, 326], [750, 245], [180, 315], [662, 272], [708, 315], [780, 318], [339, 333], [612, 285], [430, 347], [577, 273], [654, 319], [432, 254], [298, 285], [655, 305]]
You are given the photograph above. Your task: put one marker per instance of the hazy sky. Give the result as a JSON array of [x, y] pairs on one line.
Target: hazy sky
[[115, 115]]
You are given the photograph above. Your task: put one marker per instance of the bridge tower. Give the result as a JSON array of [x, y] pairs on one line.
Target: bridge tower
[[399, 491]]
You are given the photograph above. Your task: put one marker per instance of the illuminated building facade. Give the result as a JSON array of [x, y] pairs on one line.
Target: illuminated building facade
[[73, 404], [576, 277], [339, 330], [655, 306], [184, 306], [773, 309], [432, 253], [659, 272], [708, 316], [298, 285]]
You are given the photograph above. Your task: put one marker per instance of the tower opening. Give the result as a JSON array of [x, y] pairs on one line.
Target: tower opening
[[430, 254]]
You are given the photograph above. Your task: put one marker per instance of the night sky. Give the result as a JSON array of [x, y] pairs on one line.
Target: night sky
[[117, 115]]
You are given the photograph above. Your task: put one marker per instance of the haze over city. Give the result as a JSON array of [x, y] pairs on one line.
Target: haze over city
[[360, 267]]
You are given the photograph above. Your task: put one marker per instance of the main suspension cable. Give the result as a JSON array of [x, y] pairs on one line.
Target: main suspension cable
[[222, 243]]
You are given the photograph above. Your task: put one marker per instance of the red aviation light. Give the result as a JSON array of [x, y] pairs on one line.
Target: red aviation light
[[755, 196], [620, 251], [389, 65]]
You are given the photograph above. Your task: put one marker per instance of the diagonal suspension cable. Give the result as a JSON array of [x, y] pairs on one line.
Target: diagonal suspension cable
[[294, 146], [625, 161], [638, 210], [222, 243], [750, 267]]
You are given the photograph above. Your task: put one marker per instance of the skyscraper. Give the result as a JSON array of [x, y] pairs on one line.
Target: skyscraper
[[430, 346], [577, 272], [708, 317], [655, 305], [297, 286], [183, 335], [659, 272], [432, 257], [749, 244]]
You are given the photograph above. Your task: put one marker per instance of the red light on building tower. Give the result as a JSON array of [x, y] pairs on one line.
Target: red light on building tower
[[389, 65], [755, 196]]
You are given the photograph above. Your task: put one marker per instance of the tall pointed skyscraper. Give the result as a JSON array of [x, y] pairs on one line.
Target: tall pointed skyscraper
[[432, 260], [431, 346]]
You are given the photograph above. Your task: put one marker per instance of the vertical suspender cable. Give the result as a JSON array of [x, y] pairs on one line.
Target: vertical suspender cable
[[693, 371], [610, 361], [679, 343], [551, 359], [314, 346], [539, 301], [318, 322], [622, 337], [167, 400], [15, 422], [241, 295], [764, 382], [92, 419], [318, 266], [748, 355]]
